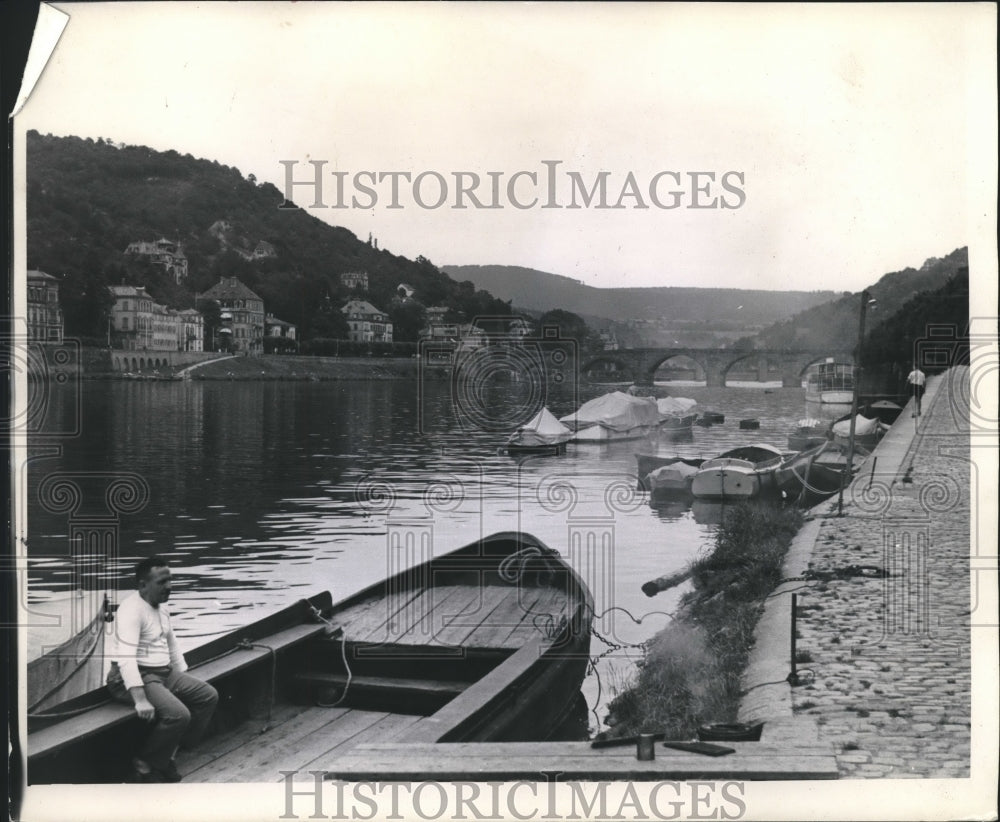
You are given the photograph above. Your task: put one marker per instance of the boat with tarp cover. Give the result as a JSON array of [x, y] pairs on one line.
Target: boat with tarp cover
[[542, 434], [488, 642], [612, 417]]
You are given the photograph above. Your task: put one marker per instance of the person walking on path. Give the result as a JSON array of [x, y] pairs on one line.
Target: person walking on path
[[916, 380], [149, 672]]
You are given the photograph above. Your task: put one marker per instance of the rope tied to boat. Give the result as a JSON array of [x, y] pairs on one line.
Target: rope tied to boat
[[246, 645], [515, 566], [318, 616]]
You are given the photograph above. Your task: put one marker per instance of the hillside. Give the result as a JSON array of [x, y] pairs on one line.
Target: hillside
[[836, 321], [88, 200], [713, 307]]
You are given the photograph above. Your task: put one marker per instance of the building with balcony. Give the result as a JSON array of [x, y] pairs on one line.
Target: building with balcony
[[242, 314], [132, 317], [191, 330], [45, 317], [273, 327]]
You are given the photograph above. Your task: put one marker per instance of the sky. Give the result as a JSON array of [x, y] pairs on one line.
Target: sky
[[853, 140]]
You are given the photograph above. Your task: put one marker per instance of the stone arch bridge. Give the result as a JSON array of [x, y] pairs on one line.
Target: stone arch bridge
[[790, 365]]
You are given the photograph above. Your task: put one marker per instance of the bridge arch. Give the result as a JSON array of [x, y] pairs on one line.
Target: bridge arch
[[766, 366], [679, 359], [608, 367]]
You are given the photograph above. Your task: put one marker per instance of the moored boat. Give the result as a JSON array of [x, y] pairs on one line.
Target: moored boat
[[885, 411], [646, 463], [816, 473], [746, 471], [488, 642], [613, 417], [542, 434], [830, 382], [867, 432], [672, 480], [809, 432], [676, 413]]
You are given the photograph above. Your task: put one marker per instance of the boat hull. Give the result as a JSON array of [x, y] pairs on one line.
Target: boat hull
[[601, 434], [742, 472], [725, 482], [839, 397]]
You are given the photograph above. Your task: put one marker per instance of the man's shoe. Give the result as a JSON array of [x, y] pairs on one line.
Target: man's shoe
[[142, 772], [169, 773], [143, 777]]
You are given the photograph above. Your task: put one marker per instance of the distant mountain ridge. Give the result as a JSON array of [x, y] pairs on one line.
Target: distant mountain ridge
[[535, 290]]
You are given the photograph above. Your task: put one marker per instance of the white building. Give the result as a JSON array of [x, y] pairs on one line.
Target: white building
[[366, 323]]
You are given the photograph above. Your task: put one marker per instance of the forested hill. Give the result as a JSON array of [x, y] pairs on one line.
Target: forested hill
[[541, 291], [837, 321], [88, 200]]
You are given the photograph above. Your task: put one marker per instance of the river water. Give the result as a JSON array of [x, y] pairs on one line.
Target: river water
[[262, 492]]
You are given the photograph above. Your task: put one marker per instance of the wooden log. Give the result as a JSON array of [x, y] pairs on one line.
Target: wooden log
[[654, 586]]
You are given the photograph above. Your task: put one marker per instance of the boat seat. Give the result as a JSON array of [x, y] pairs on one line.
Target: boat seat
[[53, 738], [386, 693]]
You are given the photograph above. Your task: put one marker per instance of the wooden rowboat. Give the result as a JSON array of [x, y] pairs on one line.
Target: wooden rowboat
[[486, 643], [741, 472], [816, 473]]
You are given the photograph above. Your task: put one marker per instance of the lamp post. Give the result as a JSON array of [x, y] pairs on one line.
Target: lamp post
[[866, 300]]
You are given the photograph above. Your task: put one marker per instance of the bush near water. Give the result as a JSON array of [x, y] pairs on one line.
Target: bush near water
[[692, 668]]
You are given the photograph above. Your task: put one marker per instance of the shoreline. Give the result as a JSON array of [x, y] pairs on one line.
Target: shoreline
[[879, 670]]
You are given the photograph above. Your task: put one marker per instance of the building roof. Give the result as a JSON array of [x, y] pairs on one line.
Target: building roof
[[129, 291], [229, 288], [41, 275], [270, 319], [362, 307]]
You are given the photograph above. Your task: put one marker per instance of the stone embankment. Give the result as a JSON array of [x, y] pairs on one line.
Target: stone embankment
[[883, 658]]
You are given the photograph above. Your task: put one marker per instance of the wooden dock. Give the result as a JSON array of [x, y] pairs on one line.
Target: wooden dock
[[574, 761]]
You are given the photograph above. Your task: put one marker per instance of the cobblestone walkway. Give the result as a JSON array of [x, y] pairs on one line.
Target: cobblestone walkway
[[885, 662]]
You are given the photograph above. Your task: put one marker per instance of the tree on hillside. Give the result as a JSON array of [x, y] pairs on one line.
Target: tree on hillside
[[329, 322], [571, 326], [408, 319]]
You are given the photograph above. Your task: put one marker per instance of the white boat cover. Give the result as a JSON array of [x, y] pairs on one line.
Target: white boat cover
[[862, 427], [677, 470], [542, 429], [617, 411], [675, 406]]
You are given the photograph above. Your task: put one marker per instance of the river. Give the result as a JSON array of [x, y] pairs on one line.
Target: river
[[263, 492]]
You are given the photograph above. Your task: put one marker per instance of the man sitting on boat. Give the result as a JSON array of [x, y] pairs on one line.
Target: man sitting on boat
[[149, 671]]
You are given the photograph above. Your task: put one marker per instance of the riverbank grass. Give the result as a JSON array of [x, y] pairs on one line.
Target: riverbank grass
[[691, 672]]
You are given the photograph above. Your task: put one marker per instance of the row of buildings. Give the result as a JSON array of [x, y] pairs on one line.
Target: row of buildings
[[137, 322]]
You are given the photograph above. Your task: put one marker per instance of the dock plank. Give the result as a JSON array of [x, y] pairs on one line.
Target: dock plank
[[386, 728], [574, 761]]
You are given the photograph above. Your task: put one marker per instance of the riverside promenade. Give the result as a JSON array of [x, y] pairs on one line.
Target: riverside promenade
[[883, 663]]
